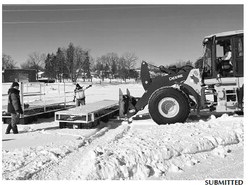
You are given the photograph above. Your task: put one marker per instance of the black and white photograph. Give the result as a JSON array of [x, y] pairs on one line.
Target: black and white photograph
[[105, 91]]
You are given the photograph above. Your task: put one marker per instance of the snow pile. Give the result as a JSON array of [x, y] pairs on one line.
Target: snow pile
[[22, 164], [154, 151], [140, 150]]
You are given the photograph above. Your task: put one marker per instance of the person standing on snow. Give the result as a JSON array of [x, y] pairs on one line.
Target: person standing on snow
[[79, 95], [14, 107]]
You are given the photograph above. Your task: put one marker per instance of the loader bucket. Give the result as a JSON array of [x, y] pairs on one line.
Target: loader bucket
[[127, 104]]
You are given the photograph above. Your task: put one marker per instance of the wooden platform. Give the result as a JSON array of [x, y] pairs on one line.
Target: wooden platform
[[88, 115], [33, 113]]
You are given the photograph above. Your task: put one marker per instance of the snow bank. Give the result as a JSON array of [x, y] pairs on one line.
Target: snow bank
[[156, 150], [23, 163], [140, 150]]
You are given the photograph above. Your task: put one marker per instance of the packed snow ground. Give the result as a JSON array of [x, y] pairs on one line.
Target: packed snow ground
[[199, 149]]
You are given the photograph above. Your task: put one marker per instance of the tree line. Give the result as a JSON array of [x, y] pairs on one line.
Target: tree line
[[74, 62]]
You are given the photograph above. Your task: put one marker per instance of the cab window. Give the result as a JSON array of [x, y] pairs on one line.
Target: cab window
[[207, 65], [222, 47], [224, 65], [239, 51]]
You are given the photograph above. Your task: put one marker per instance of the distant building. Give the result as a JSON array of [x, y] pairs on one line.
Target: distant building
[[41, 74], [19, 75]]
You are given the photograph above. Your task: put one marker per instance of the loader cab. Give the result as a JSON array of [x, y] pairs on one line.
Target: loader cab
[[222, 71], [223, 55]]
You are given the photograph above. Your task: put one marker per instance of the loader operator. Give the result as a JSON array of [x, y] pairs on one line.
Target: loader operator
[[226, 64], [79, 94], [228, 53]]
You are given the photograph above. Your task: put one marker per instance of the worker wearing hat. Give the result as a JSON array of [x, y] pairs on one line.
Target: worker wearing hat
[[79, 94], [14, 107]]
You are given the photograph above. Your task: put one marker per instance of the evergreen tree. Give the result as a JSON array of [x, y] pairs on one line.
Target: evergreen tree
[[70, 61], [50, 66], [61, 65], [86, 65], [114, 68]]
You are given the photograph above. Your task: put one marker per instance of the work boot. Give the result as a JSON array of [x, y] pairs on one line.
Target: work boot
[[15, 130], [8, 129]]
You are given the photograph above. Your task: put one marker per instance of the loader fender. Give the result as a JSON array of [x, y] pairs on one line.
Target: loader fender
[[193, 80], [188, 90], [192, 86]]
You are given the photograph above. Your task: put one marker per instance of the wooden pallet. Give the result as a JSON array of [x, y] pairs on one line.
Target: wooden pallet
[[87, 116]]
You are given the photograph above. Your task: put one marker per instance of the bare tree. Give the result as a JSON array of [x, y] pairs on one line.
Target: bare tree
[[8, 62], [113, 60], [35, 61], [130, 60], [182, 63]]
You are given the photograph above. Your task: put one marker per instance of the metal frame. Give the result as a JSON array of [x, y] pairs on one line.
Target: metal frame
[[47, 108], [89, 113]]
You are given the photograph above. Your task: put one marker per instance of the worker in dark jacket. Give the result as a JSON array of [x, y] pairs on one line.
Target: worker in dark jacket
[[14, 107]]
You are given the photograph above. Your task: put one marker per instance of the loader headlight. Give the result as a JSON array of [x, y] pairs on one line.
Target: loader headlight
[[132, 111], [221, 94]]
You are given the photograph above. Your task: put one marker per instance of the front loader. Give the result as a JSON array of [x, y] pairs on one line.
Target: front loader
[[168, 97], [171, 97]]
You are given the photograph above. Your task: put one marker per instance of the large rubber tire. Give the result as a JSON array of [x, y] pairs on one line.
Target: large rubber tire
[[168, 105]]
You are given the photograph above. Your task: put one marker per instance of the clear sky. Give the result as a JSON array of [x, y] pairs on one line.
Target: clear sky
[[161, 34]]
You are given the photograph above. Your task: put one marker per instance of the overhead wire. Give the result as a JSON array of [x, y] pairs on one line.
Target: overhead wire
[[42, 22], [110, 7], [85, 9]]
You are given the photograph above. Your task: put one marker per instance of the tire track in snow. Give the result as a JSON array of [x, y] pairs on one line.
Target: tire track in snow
[[61, 169], [81, 161], [154, 152], [129, 152]]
